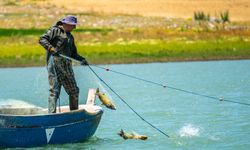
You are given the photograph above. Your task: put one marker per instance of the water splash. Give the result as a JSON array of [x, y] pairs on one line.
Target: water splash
[[189, 130]]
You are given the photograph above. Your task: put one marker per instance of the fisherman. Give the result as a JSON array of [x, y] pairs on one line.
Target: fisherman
[[58, 40]]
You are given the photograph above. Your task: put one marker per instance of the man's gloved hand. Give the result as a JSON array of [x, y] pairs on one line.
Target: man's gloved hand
[[84, 62], [54, 51]]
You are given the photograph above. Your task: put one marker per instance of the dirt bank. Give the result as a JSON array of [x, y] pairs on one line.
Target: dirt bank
[[239, 9]]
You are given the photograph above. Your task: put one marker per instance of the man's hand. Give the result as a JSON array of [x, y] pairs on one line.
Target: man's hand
[[84, 62], [54, 51]]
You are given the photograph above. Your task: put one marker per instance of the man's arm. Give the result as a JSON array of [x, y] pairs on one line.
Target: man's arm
[[46, 39], [75, 54]]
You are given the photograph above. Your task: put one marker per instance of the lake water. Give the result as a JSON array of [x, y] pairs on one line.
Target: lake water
[[192, 122]]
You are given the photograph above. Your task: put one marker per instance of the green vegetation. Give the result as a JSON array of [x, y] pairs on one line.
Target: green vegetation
[[224, 16], [25, 32], [166, 51], [134, 52], [10, 2], [104, 39], [200, 16], [205, 19], [20, 32]]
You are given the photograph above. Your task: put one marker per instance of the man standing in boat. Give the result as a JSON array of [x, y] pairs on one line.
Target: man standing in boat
[[58, 40]]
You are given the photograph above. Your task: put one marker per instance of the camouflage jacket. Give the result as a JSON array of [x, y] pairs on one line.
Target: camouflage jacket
[[56, 37]]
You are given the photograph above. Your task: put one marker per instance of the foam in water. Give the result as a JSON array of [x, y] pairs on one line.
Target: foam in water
[[13, 103], [18, 107], [189, 130], [214, 138]]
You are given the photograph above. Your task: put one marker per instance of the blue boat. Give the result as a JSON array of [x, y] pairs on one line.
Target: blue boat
[[34, 127]]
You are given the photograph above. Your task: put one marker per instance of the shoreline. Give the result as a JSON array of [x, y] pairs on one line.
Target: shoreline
[[135, 62]]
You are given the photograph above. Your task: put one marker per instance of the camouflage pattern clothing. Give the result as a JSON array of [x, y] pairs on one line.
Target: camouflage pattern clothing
[[60, 72], [64, 41]]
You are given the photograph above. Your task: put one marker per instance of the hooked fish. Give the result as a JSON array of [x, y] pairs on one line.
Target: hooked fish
[[105, 100], [126, 136]]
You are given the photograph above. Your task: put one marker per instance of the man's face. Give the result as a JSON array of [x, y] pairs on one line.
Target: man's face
[[68, 27]]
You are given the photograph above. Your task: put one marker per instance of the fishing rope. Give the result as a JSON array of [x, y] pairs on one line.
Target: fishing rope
[[159, 84], [171, 87], [127, 103], [118, 96]]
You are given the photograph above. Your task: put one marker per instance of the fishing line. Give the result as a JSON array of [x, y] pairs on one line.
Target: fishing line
[[119, 96], [127, 103], [171, 87], [107, 69]]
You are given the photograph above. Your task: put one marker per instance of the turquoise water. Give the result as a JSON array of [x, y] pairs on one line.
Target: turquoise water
[[191, 121]]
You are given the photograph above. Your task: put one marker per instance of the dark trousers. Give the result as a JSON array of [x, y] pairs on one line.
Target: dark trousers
[[60, 73]]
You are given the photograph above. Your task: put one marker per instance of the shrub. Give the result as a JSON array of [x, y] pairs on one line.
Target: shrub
[[10, 2], [200, 16], [224, 16]]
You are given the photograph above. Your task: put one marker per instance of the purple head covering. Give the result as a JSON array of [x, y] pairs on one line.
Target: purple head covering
[[72, 20]]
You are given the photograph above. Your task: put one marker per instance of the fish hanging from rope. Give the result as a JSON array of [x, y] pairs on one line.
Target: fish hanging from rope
[[105, 100], [126, 135]]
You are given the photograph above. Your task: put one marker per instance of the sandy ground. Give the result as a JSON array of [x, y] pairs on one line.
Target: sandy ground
[[239, 9]]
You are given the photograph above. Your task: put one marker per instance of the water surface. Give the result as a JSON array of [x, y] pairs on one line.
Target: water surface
[[191, 121]]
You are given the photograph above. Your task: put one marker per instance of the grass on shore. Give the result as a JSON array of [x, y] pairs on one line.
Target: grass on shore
[[127, 39], [133, 52], [24, 32]]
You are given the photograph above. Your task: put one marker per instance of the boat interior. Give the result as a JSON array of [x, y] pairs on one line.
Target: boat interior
[[89, 107]]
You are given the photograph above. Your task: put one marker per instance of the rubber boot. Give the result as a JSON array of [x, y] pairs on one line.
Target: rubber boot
[[73, 102], [52, 104]]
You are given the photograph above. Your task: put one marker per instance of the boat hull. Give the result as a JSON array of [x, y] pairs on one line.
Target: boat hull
[[38, 130]]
